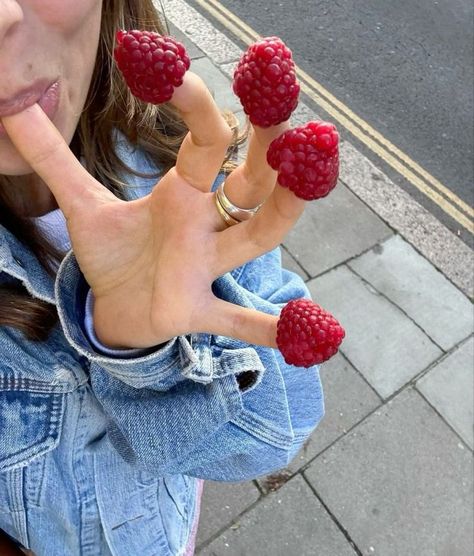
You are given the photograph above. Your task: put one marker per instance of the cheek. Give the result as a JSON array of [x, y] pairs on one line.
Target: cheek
[[75, 25], [68, 16]]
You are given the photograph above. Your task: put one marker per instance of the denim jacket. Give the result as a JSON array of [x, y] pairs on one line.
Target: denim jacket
[[100, 454]]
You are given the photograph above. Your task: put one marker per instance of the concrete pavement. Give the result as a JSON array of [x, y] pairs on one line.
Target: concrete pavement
[[389, 470]]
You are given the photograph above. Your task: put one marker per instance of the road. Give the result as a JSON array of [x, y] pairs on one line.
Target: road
[[405, 67]]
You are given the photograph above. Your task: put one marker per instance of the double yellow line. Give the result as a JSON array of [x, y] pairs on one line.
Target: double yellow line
[[448, 201]]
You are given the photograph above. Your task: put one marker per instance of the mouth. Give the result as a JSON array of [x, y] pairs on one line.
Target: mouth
[[46, 94]]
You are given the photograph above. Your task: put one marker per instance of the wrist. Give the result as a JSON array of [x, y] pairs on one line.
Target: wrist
[[117, 331]]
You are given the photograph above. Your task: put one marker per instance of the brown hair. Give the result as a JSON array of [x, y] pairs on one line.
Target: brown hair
[[157, 130]]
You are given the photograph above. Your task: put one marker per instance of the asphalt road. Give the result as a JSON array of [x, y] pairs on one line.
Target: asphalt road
[[405, 67]]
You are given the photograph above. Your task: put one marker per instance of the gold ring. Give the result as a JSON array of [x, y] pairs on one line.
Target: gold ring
[[226, 217], [232, 210]]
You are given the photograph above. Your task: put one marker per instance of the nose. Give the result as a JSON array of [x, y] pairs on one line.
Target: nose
[[10, 14]]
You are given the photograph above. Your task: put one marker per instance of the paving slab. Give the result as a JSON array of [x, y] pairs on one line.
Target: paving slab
[[400, 483], [290, 263], [221, 503], [397, 207], [288, 522], [347, 400], [333, 230], [449, 387], [414, 284], [381, 341], [218, 84], [192, 50]]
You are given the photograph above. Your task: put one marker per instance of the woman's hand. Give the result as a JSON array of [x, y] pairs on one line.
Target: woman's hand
[[150, 263]]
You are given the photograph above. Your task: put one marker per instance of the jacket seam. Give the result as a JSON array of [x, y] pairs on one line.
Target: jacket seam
[[23, 384], [263, 431]]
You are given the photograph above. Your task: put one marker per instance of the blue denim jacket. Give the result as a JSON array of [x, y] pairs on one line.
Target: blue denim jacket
[[99, 455]]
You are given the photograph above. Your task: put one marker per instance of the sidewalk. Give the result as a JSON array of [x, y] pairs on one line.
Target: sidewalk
[[389, 470]]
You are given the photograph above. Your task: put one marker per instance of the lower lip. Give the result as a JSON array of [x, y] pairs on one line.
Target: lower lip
[[49, 102]]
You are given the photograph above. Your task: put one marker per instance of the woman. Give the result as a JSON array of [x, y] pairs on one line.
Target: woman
[[113, 402]]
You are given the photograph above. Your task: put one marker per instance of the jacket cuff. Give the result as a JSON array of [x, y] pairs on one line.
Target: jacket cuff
[[184, 357]]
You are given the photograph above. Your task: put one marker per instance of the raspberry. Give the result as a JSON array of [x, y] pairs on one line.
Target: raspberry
[[265, 82], [151, 64], [307, 334], [307, 159]]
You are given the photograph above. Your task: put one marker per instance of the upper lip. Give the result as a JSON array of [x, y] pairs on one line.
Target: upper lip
[[24, 98]]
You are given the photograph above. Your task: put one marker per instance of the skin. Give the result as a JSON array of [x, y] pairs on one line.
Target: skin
[[150, 262]]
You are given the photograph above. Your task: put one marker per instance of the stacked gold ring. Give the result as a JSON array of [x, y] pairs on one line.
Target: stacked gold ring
[[226, 217], [232, 214]]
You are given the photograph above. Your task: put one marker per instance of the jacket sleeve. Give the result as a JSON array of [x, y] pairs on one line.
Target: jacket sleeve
[[182, 408]]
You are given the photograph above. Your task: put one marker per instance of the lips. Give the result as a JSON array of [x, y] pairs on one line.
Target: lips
[[24, 98], [44, 92]]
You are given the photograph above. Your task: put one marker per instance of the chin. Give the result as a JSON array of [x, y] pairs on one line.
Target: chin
[[11, 162]]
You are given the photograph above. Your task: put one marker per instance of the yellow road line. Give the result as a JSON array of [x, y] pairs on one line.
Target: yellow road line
[[366, 133], [387, 157], [390, 146]]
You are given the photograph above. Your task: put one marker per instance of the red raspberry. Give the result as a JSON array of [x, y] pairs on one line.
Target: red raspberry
[[307, 334], [265, 82], [307, 159], [151, 64]]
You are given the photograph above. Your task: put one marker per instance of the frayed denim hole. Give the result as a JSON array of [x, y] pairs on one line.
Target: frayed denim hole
[[246, 380]]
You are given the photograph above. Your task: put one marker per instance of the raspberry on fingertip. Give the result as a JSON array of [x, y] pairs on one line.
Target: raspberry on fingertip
[[265, 82], [307, 334], [307, 159], [151, 64]]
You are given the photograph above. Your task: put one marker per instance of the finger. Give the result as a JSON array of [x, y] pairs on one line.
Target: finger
[[265, 231], [253, 181], [44, 149], [204, 147], [242, 323]]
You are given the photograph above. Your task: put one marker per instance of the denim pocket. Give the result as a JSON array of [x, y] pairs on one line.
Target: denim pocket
[[31, 418], [30, 425]]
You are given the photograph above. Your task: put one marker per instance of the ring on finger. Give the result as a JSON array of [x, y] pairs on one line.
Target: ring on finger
[[226, 217], [231, 213]]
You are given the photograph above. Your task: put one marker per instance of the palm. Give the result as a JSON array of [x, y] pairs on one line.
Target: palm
[[142, 246]]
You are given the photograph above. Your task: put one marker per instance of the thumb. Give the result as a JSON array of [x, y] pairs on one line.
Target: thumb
[[44, 149]]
